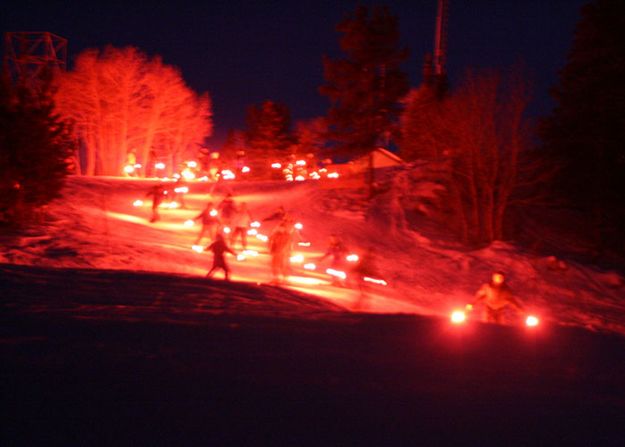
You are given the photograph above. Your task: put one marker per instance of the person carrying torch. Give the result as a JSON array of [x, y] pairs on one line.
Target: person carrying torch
[[496, 297], [210, 222]]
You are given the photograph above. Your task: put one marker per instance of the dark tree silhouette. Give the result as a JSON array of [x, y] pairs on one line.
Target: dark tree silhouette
[[585, 133], [35, 151], [365, 87], [268, 130]]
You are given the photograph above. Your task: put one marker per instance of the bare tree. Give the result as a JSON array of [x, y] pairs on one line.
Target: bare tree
[[120, 101], [477, 133]]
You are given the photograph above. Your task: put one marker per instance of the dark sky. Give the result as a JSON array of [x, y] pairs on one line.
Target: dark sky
[[243, 52]]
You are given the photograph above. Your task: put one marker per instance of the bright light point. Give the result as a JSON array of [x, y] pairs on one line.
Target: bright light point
[[203, 179], [192, 164], [197, 248], [176, 176], [304, 244], [310, 266], [252, 232], [531, 321], [138, 166], [159, 165], [255, 224], [173, 205], [188, 175], [297, 259], [262, 237], [314, 175], [337, 273], [189, 223], [250, 252], [181, 190], [137, 203], [298, 226], [227, 174], [300, 178], [352, 258], [276, 165], [289, 178], [227, 230], [240, 257], [213, 213], [458, 317], [128, 169], [375, 281], [333, 175], [305, 281], [245, 169], [300, 162]]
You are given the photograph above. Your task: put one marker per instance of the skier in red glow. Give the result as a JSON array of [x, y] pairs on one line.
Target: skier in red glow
[[219, 249], [496, 297], [210, 222]]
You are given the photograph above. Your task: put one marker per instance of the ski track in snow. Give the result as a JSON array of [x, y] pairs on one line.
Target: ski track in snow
[[96, 226]]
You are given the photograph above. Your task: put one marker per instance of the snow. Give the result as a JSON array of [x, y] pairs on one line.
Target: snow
[[96, 226], [110, 331]]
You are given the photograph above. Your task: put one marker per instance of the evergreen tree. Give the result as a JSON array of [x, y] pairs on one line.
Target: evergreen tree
[[585, 133], [268, 130], [365, 87], [35, 147]]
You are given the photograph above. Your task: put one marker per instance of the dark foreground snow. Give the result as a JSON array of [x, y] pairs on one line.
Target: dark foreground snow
[[124, 358]]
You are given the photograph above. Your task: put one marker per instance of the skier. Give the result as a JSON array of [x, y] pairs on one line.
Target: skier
[[219, 249], [279, 214], [210, 222], [157, 192], [241, 222], [227, 208], [280, 250], [496, 297], [365, 267], [338, 251]]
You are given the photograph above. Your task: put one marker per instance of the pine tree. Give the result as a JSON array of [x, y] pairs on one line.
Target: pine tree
[[365, 87], [268, 131], [586, 130], [35, 148]]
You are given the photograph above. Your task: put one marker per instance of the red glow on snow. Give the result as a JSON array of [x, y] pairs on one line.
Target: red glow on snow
[[532, 321], [375, 281], [458, 317], [336, 273]]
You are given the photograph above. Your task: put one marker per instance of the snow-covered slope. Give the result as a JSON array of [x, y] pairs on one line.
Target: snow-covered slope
[[95, 225]]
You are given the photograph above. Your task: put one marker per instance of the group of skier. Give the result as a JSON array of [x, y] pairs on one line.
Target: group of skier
[[495, 296]]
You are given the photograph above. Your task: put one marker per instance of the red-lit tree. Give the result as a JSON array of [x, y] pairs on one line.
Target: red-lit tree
[[268, 132], [122, 102], [473, 138], [310, 136]]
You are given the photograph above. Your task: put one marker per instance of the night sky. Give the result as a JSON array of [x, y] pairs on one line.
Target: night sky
[[244, 52]]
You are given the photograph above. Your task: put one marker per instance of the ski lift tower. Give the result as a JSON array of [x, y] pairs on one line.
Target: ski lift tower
[[28, 55], [440, 40], [434, 71]]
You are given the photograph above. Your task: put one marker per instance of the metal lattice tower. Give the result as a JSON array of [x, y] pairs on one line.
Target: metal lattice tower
[[28, 54]]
